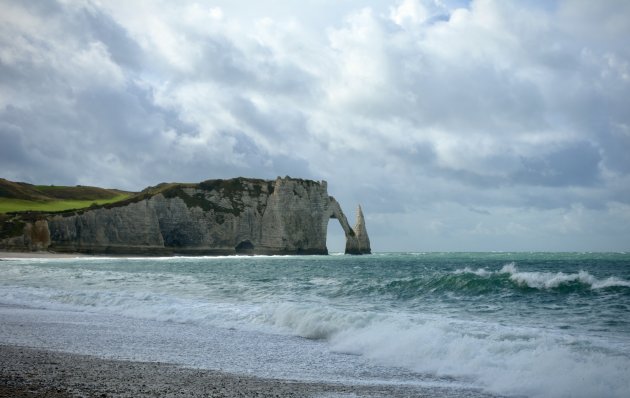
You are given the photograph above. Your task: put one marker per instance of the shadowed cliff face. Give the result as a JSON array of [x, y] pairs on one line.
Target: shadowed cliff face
[[237, 216]]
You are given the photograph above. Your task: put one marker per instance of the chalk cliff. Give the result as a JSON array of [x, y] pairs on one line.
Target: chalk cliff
[[241, 215]]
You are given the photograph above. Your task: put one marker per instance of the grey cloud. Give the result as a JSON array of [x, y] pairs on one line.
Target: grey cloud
[[417, 155], [472, 178], [30, 154], [378, 196], [220, 60], [277, 125], [289, 165], [12, 151], [123, 49], [127, 115], [263, 165], [616, 145], [52, 8], [480, 211], [478, 98], [574, 165]]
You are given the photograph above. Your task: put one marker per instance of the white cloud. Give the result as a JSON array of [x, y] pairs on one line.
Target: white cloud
[[409, 12], [362, 82], [93, 66]]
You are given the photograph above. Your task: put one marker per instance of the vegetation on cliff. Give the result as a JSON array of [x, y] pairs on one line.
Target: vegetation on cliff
[[44, 199], [231, 189], [20, 196]]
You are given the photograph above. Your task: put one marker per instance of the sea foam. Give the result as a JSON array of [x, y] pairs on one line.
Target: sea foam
[[512, 361], [547, 280], [550, 280]]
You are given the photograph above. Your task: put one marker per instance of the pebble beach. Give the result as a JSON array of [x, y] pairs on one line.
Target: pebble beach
[[28, 372]]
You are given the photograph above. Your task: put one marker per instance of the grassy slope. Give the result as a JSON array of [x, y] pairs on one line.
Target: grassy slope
[[12, 205], [18, 196]]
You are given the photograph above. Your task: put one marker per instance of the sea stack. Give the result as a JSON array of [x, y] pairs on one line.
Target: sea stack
[[360, 242], [234, 216]]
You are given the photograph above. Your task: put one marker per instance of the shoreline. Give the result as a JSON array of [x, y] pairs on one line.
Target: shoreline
[[17, 255], [32, 372], [6, 254], [39, 254]]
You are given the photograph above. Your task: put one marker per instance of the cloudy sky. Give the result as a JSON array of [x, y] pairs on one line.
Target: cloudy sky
[[458, 125]]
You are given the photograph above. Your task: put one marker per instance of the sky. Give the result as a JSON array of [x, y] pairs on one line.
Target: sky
[[457, 125]]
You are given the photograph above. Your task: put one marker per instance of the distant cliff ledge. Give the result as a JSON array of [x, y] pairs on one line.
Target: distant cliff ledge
[[235, 216]]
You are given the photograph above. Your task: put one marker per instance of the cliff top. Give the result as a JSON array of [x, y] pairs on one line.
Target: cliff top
[[26, 191], [230, 188], [21, 196], [49, 199]]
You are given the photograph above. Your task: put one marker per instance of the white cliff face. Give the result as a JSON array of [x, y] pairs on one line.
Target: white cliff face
[[359, 243], [293, 220], [357, 240], [129, 229], [214, 217]]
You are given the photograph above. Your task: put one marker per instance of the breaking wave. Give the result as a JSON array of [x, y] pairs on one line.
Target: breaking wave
[[469, 281], [547, 280], [504, 359]]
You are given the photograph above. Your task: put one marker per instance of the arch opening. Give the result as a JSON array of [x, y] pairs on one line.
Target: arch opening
[[335, 237]]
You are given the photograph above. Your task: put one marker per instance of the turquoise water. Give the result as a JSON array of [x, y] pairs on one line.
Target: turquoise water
[[522, 324]]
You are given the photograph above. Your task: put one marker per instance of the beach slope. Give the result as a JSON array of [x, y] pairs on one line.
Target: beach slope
[[28, 372]]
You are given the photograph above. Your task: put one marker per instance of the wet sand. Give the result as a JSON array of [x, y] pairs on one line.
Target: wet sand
[[28, 372]]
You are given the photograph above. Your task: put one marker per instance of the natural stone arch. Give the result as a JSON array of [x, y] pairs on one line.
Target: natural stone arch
[[357, 241]]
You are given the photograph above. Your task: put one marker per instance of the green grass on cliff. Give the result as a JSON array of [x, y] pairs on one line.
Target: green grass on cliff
[[11, 205], [21, 196]]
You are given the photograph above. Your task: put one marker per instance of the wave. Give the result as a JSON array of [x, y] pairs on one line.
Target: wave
[[548, 280], [512, 361], [480, 282], [501, 359]]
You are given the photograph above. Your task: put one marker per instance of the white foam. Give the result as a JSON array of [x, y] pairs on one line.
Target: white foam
[[314, 321], [610, 282], [547, 280], [503, 360], [479, 271], [550, 280]]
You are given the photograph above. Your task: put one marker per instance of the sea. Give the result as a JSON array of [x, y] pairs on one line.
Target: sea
[[450, 324]]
